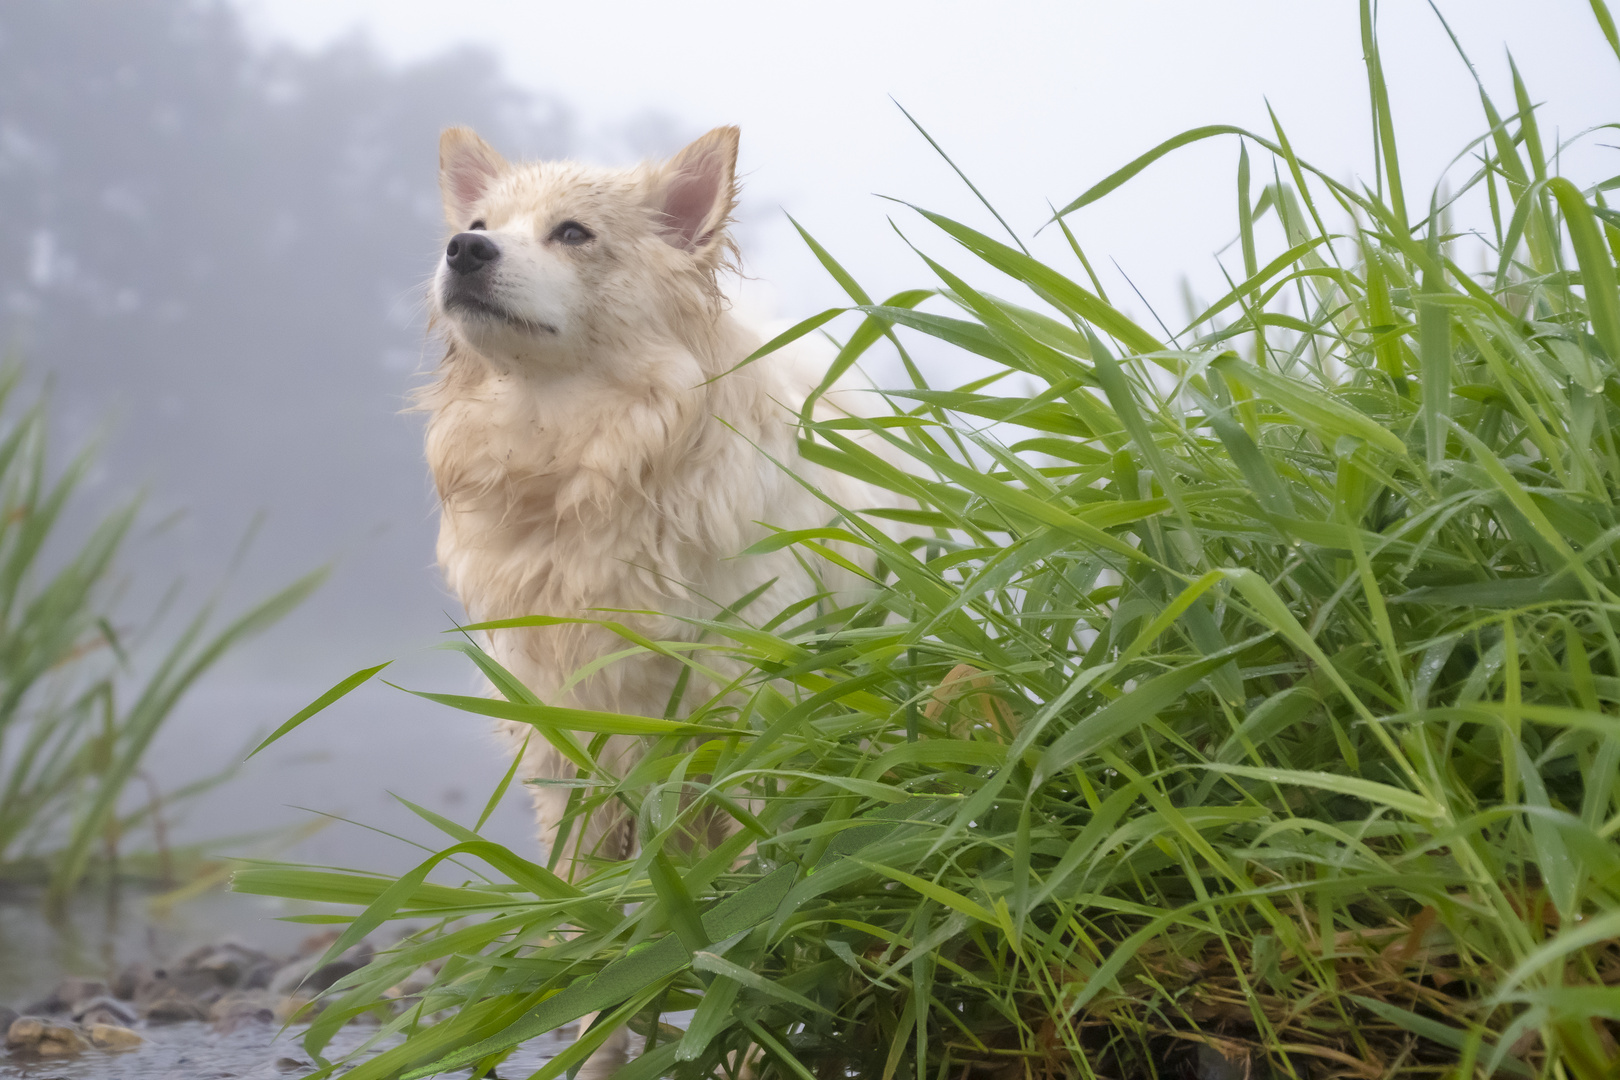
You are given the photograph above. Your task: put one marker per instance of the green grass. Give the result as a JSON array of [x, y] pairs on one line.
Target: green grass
[[1259, 689], [80, 697]]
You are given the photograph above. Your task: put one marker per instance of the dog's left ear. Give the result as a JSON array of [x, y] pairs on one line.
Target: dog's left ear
[[696, 194], [467, 165]]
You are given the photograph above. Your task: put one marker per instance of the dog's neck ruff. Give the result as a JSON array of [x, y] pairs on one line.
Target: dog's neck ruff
[[623, 482]]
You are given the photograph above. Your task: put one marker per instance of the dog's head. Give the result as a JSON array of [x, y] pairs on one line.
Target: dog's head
[[555, 261]]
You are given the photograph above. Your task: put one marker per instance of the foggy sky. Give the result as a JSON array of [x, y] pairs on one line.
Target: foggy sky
[[1035, 100]]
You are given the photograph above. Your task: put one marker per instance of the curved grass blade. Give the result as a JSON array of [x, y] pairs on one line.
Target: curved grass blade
[[341, 690]]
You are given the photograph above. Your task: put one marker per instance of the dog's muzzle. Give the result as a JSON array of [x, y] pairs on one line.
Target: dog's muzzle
[[470, 252]]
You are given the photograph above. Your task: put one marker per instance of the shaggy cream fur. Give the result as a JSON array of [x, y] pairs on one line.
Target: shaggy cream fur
[[595, 454]]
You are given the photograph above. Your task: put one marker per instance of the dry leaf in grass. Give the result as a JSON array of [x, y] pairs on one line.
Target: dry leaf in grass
[[970, 692]]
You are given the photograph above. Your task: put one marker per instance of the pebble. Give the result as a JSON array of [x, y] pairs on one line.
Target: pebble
[[68, 993], [302, 975], [114, 1037], [61, 1047], [324, 976], [233, 965], [226, 983], [128, 981], [241, 1007], [24, 1032], [293, 1005], [30, 1034], [103, 1010], [174, 1008]]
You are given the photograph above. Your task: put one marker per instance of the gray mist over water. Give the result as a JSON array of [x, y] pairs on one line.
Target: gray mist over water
[[214, 252]]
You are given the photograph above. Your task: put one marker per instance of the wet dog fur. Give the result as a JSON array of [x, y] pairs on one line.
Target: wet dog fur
[[596, 455]]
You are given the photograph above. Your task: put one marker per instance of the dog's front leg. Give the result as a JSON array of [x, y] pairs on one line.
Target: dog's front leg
[[608, 832], [608, 1058]]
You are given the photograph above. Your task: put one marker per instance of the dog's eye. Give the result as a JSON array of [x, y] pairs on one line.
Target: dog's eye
[[572, 233], [477, 226]]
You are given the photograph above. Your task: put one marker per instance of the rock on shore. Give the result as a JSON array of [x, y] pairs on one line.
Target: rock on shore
[[226, 984]]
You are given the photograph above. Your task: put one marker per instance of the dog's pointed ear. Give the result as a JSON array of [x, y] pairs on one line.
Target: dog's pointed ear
[[467, 164], [696, 194]]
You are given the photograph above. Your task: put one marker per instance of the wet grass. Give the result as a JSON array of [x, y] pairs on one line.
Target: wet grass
[[1255, 692], [83, 692]]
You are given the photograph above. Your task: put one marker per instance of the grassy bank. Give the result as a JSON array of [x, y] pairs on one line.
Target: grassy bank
[[1256, 693]]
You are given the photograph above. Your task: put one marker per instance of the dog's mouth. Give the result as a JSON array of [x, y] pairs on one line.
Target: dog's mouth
[[478, 306]]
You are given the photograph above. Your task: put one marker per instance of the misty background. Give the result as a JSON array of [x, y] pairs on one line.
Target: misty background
[[213, 253], [217, 220]]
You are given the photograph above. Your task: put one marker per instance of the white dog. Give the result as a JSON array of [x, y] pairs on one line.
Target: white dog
[[594, 451]]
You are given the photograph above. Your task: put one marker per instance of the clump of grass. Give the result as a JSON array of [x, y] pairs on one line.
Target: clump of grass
[[1255, 693], [73, 731]]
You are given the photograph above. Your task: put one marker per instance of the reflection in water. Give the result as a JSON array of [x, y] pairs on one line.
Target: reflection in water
[[101, 931]]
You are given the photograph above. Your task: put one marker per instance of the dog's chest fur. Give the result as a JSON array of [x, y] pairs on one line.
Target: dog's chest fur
[[571, 493]]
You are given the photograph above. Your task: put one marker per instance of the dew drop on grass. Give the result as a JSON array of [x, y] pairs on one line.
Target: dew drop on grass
[[1434, 658]]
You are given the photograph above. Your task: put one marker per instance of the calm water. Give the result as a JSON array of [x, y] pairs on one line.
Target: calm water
[[348, 764], [102, 932], [252, 1052]]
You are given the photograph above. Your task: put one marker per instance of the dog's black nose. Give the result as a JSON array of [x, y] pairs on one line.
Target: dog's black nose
[[470, 251]]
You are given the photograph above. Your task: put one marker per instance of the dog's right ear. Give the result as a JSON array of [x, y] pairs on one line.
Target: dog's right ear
[[467, 164]]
